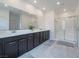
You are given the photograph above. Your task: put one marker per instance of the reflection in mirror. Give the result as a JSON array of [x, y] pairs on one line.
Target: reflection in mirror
[[15, 19]]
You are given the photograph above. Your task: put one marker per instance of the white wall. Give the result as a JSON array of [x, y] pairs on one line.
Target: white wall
[[4, 19], [77, 10], [41, 22], [46, 21]]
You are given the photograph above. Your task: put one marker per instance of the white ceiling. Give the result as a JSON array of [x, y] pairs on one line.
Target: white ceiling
[[70, 5]]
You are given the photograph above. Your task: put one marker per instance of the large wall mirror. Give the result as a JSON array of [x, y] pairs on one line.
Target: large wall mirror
[[15, 19]]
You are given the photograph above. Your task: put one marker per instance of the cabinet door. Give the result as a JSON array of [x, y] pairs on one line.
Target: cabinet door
[[44, 36], [36, 39], [22, 46], [41, 37], [11, 49], [1, 51], [30, 42], [47, 34]]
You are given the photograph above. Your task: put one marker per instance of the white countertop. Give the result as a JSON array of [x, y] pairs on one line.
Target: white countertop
[[4, 34]]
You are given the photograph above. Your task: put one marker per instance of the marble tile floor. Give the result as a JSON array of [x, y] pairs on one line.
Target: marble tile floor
[[53, 49]]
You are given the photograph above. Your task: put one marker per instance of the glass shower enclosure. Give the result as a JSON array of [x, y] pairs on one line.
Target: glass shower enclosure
[[66, 29]]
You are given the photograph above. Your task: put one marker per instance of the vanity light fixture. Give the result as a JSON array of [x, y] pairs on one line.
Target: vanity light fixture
[[58, 3], [35, 1]]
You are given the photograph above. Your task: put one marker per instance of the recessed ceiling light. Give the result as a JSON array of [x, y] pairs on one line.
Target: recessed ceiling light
[[64, 10], [6, 5], [58, 3], [44, 8], [35, 1]]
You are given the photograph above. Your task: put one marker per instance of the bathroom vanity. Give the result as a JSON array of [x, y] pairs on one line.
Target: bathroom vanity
[[12, 46]]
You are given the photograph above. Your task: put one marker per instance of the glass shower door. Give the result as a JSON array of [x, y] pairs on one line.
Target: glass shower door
[[70, 30], [65, 29], [77, 23], [59, 32]]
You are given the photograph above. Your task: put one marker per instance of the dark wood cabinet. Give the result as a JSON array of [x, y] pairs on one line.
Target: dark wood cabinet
[[11, 49], [47, 35], [1, 54], [44, 36], [23, 46], [36, 39], [30, 42], [41, 40]]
